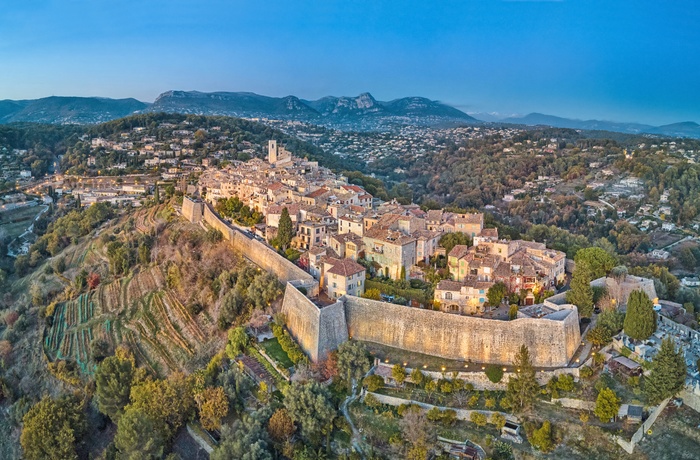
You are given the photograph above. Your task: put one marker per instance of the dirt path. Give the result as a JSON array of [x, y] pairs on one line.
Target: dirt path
[[356, 439]]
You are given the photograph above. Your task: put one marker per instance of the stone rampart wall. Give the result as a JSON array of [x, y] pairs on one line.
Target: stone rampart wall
[[303, 320], [259, 253], [552, 343], [332, 328], [192, 210], [318, 331]]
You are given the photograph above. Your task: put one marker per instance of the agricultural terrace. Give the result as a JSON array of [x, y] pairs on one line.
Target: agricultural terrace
[[167, 287], [135, 310]]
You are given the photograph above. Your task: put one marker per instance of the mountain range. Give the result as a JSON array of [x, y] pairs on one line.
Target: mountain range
[[333, 111], [360, 113], [683, 129]]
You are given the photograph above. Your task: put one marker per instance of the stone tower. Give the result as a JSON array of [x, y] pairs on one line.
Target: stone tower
[[272, 151]]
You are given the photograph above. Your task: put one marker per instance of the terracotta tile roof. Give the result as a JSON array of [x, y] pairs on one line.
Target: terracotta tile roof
[[489, 233], [345, 267], [476, 218], [459, 251], [317, 193], [435, 215]]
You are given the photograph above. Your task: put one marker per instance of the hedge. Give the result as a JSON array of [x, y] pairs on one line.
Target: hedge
[[288, 344]]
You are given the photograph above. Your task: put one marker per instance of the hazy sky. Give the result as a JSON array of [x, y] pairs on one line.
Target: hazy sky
[[625, 60]]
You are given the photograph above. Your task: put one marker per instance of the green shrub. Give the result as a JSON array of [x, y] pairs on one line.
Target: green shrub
[[372, 401], [373, 382], [478, 418], [296, 355], [566, 382], [494, 373]]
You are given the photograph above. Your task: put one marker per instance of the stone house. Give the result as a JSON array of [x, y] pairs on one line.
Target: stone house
[[343, 276], [390, 250], [311, 234], [347, 245], [466, 297]]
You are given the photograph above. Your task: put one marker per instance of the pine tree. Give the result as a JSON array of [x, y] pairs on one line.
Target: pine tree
[[581, 293], [667, 374], [285, 231], [640, 319], [607, 405], [522, 390], [113, 379]]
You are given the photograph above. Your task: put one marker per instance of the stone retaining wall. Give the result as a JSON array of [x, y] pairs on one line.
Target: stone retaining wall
[[639, 434], [462, 414], [479, 379]]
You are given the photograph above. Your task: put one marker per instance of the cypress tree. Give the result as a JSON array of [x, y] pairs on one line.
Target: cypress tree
[[285, 231], [522, 390], [667, 373], [581, 293], [640, 318]]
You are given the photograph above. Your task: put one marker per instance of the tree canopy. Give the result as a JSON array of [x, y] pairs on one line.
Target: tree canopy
[[522, 389], [285, 231], [640, 318], [581, 293], [599, 261], [667, 375], [353, 361], [139, 436], [607, 405], [113, 380], [309, 405], [51, 429]]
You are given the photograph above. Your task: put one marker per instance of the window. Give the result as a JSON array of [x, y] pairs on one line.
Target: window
[[335, 285], [481, 291], [448, 296], [481, 300]]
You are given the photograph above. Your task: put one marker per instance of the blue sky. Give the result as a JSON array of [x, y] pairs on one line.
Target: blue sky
[[623, 60]]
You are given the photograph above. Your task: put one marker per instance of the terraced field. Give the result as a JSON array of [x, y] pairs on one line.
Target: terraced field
[[136, 310]]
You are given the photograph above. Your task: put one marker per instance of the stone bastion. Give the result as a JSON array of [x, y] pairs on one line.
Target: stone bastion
[[552, 340]]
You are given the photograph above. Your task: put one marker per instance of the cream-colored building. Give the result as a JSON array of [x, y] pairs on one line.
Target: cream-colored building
[[466, 297], [343, 276]]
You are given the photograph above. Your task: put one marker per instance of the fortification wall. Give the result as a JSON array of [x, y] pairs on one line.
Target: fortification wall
[[318, 331], [551, 343], [303, 320], [260, 254], [192, 210], [332, 328], [621, 290]]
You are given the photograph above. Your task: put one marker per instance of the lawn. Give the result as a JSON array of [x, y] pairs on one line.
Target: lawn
[[274, 350], [15, 222]]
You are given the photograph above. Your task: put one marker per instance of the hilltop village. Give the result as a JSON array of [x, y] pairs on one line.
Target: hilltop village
[[337, 224]]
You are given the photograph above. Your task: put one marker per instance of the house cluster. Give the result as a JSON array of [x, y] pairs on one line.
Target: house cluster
[[336, 223], [520, 265]]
